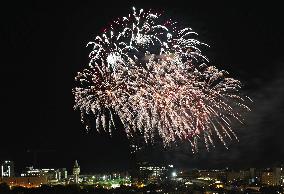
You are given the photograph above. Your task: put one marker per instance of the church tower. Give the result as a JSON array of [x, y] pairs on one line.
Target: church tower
[[76, 171]]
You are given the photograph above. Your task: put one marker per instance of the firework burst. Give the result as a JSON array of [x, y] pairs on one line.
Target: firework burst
[[153, 76]]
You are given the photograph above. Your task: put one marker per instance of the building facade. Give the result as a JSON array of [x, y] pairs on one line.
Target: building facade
[[7, 169], [271, 177], [76, 172]]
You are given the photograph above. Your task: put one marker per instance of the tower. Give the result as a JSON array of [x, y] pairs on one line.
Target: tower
[[76, 171]]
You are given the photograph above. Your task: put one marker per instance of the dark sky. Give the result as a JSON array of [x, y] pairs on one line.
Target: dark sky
[[43, 46]]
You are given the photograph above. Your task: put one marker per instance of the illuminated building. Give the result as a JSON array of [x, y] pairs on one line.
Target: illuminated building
[[31, 172], [154, 173], [61, 173], [52, 175], [76, 171], [218, 184], [267, 178], [212, 174], [282, 176], [271, 177], [7, 169]]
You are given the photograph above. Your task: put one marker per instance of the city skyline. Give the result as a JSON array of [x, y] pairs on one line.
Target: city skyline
[[43, 46], [145, 176]]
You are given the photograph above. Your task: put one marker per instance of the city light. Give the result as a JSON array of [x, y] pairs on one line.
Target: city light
[[147, 173]]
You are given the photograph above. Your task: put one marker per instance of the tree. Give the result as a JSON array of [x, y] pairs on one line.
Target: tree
[[4, 188]]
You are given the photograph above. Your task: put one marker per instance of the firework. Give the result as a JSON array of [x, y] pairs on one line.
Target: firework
[[153, 76]]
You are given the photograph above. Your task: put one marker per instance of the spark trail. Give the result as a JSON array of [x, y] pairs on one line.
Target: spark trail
[[154, 77]]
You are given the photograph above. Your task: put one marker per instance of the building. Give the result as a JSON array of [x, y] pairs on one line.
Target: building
[[52, 175], [271, 177], [277, 176], [7, 169], [76, 172], [32, 172], [212, 174], [244, 175], [61, 173], [150, 173], [267, 178], [282, 176]]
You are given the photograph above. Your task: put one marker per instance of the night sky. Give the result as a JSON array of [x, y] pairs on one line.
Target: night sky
[[43, 45]]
